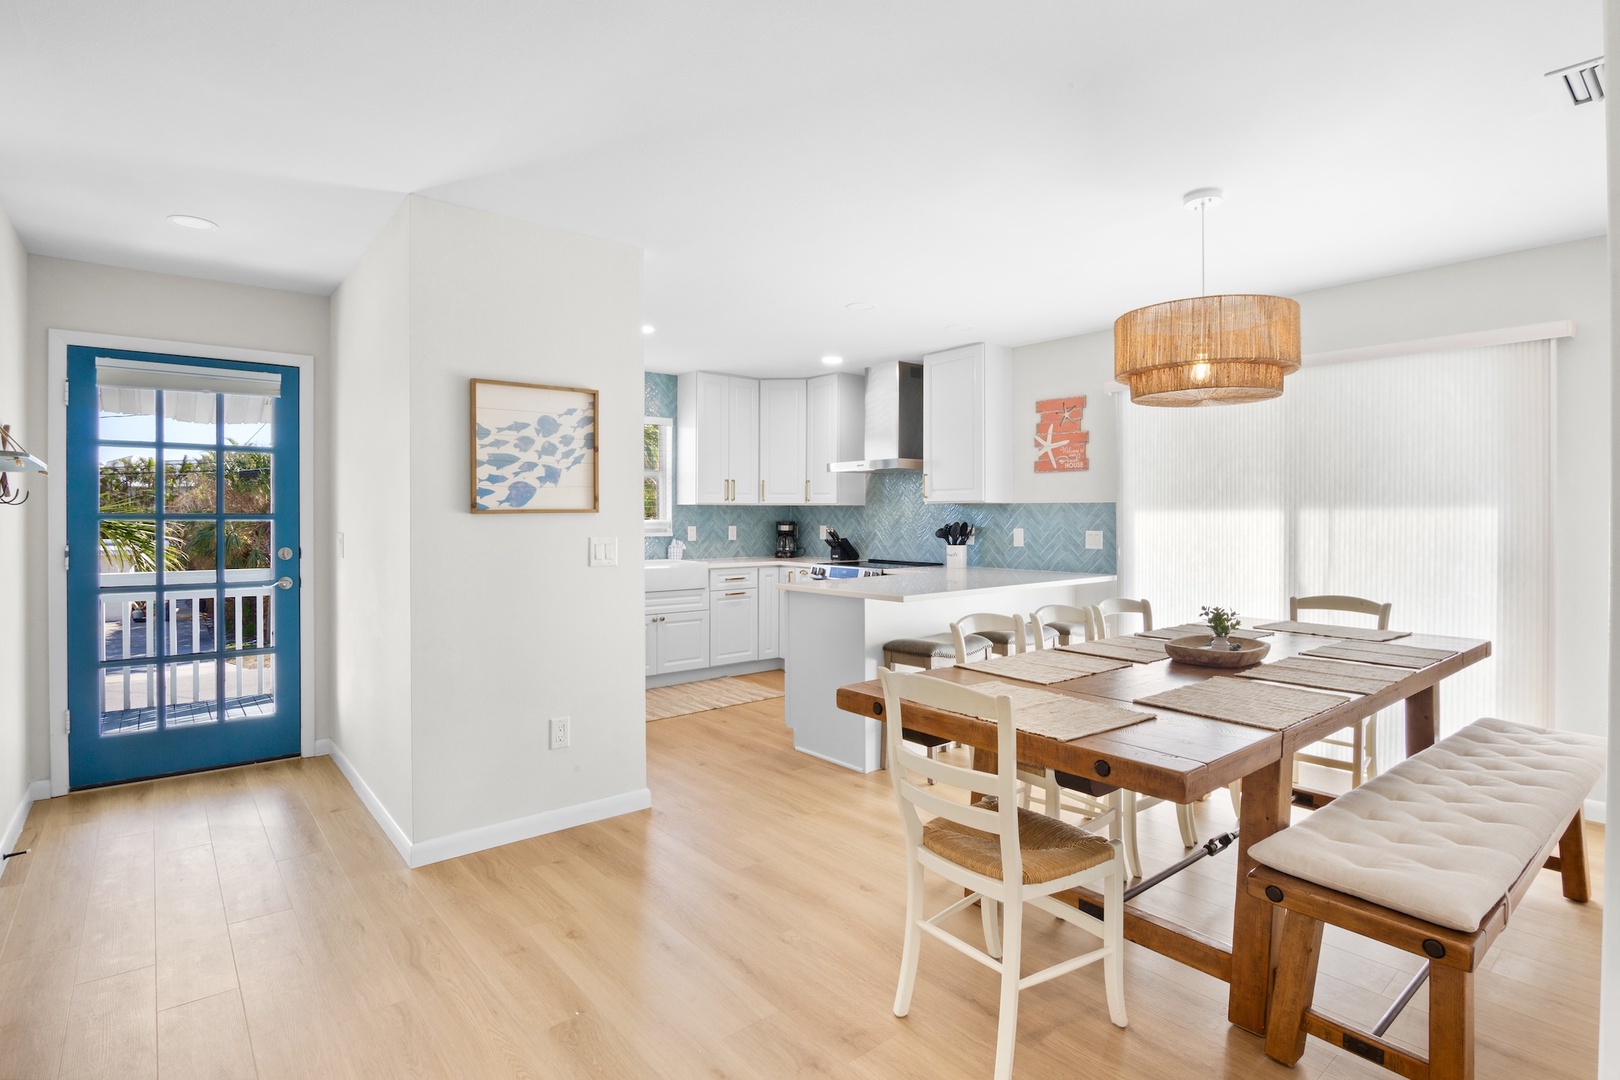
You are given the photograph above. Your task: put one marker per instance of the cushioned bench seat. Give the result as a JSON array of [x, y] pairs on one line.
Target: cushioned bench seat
[[1430, 857]]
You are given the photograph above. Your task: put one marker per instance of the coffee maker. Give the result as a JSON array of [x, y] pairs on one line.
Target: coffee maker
[[787, 539]]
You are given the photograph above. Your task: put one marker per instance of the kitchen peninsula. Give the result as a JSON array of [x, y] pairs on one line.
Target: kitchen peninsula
[[835, 630]]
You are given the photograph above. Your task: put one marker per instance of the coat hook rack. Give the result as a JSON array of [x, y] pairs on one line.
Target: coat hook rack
[[13, 458]]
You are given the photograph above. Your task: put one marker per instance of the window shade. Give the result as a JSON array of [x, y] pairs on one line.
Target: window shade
[[1424, 481], [144, 375]]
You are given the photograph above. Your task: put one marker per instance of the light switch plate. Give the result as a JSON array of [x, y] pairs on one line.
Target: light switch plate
[[824, 532], [1018, 538], [1094, 539], [604, 551], [691, 532], [731, 532]]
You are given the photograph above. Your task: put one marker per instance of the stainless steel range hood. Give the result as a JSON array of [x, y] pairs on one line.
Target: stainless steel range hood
[[894, 420]]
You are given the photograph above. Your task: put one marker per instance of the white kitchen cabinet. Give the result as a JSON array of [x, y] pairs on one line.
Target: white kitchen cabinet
[[770, 611], [733, 626], [835, 428], [967, 437], [683, 641], [717, 440], [782, 442], [652, 644]]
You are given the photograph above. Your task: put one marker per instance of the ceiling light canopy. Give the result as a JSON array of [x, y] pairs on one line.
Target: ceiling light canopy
[[1207, 350], [860, 305], [187, 221]]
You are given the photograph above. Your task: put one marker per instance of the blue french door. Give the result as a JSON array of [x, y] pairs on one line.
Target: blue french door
[[183, 564]]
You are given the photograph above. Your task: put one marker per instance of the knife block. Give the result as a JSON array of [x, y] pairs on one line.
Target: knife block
[[956, 556]]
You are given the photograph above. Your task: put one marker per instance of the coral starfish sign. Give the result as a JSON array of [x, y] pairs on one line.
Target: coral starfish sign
[[1060, 444]]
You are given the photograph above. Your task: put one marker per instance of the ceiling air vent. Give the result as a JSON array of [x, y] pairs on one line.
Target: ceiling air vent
[[1584, 80]]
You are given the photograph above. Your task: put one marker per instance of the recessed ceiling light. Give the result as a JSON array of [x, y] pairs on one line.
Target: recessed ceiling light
[[647, 329], [832, 361], [859, 305], [186, 221]]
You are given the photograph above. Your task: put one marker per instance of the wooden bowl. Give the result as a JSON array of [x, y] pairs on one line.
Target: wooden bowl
[[1189, 650]]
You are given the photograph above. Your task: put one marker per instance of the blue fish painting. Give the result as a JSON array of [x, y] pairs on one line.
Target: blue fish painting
[[519, 493], [535, 461]]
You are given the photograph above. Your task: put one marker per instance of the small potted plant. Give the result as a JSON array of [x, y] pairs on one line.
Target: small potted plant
[[1221, 624]]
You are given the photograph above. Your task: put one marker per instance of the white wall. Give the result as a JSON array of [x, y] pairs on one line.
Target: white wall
[[1065, 368], [368, 394], [1609, 1001], [16, 762], [509, 625], [1564, 281], [67, 295]]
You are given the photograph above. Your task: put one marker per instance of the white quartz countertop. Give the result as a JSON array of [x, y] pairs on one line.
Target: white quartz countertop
[[760, 560], [931, 583]]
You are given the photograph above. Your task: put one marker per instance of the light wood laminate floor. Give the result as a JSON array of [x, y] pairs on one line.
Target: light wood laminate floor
[[255, 922]]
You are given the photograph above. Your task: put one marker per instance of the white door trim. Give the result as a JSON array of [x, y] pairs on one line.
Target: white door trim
[[56, 520]]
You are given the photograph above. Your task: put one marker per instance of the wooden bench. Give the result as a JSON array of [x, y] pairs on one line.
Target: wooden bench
[[1430, 857]]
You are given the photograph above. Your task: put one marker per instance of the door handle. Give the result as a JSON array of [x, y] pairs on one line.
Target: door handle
[[284, 583]]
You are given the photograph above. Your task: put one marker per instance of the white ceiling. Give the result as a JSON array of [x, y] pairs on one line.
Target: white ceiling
[[1014, 167]]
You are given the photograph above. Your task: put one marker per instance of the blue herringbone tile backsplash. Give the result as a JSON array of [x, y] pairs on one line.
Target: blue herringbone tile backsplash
[[895, 523]]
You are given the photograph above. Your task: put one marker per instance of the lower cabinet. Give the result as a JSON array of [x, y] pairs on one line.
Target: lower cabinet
[[677, 642], [733, 626], [770, 607]]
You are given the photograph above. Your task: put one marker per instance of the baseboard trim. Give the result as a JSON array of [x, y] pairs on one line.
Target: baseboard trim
[[1596, 811], [454, 845], [39, 789], [745, 667], [390, 827]]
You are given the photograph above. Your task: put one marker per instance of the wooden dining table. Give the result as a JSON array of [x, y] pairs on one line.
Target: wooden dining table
[[1181, 758]]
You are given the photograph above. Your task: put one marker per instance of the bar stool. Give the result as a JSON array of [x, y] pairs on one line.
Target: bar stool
[[935, 650]]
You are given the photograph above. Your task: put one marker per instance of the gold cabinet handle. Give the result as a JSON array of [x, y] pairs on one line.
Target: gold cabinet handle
[[807, 491], [762, 491], [744, 593]]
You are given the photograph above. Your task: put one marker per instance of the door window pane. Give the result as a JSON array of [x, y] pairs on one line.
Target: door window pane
[[247, 550], [188, 623], [190, 553], [128, 548], [124, 625], [127, 414], [248, 614], [128, 480], [250, 686], [128, 700], [190, 485], [190, 692], [248, 419], [188, 417], [247, 482]]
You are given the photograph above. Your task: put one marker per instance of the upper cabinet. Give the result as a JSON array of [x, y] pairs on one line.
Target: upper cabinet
[[835, 418], [717, 440], [967, 444], [782, 442]]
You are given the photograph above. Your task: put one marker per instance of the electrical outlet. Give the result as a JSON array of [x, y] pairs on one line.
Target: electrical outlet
[[824, 532], [559, 732], [731, 532], [1094, 539], [1018, 538], [691, 532]]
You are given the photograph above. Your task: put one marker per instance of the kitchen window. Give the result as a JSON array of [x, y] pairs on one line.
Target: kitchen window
[[657, 471]]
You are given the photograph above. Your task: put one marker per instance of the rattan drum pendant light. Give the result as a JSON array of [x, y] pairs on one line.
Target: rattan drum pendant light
[[1207, 350]]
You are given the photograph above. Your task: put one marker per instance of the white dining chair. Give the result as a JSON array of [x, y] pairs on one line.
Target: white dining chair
[[1362, 741], [1006, 856], [1006, 634], [1073, 624], [1115, 607]]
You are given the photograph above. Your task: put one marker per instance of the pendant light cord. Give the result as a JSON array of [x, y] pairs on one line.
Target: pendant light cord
[[1203, 283]]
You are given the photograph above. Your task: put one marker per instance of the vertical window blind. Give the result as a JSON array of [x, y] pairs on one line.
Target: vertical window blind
[[1425, 481]]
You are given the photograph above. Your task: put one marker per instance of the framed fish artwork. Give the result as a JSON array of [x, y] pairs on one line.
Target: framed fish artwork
[[533, 448]]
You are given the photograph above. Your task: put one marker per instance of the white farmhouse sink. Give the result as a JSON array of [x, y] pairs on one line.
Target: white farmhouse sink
[[663, 574]]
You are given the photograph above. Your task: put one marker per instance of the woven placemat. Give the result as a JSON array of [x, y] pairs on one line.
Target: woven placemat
[[1060, 716], [1046, 666], [1170, 633], [1327, 674], [1376, 652], [1136, 650], [1243, 701], [1350, 633]]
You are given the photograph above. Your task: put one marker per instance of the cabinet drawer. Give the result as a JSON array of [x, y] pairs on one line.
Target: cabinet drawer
[[665, 602], [727, 580]]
